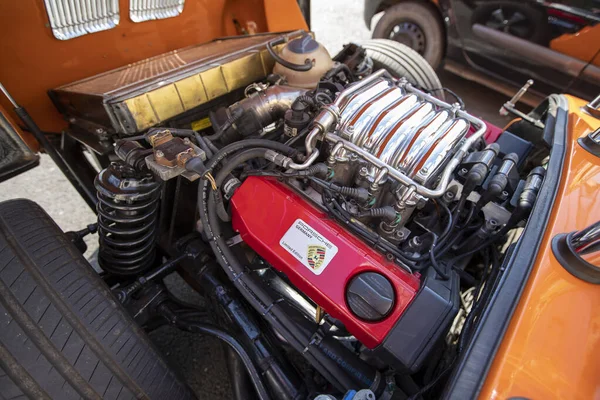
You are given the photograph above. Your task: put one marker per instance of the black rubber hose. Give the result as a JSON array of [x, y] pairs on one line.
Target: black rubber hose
[[306, 99], [431, 254], [261, 300], [387, 213], [219, 133], [237, 160], [341, 215], [336, 70], [248, 144], [279, 376], [190, 326], [307, 66], [483, 245], [225, 170], [203, 145], [210, 145], [252, 291], [455, 215], [361, 194], [319, 170], [445, 232], [265, 305], [223, 128]]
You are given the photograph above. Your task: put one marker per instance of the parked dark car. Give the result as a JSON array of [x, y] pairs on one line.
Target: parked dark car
[[555, 43]]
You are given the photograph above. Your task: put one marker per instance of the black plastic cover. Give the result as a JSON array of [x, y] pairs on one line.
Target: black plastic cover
[[511, 143], [423, 324]]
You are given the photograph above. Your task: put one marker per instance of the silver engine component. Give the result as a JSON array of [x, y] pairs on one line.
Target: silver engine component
[[406, 132], [399, 142]]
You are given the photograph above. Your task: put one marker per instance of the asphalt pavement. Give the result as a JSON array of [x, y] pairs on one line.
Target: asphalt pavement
[[198, 359]]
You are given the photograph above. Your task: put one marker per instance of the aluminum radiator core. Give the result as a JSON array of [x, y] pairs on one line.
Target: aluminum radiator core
[[403, 130]]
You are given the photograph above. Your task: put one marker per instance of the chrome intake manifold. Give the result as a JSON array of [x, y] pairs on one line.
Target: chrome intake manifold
[[403, 133], [406, 132], [384, 132]]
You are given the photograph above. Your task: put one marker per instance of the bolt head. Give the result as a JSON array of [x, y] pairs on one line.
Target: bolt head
[[159, 153], [424, 170], [186, 141]]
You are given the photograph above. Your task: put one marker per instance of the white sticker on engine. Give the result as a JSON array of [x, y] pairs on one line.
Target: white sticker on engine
[[308, 246]]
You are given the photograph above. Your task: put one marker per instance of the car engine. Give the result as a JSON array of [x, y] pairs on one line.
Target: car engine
[[333, 211]]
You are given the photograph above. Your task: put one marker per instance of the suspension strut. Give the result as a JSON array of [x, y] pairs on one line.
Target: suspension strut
[[127, 219]]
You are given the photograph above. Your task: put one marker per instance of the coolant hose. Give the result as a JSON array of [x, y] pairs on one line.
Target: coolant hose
[[263, 302], [226, 169], [307, 66], [248, 144], [252, 291], [189, 326], [238, 160]]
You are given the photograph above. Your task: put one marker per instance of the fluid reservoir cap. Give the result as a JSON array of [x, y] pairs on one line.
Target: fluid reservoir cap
[[303, 45], [370, 296]]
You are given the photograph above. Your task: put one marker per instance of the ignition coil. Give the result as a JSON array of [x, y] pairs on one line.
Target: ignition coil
[[500, 180], [528, 195], [480, 163]]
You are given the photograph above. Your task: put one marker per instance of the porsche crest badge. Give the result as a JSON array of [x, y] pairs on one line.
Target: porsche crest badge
[[315, 256]]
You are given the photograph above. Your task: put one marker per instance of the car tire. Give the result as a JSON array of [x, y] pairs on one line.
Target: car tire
[[401, 61], [420, 29], [63, 335]]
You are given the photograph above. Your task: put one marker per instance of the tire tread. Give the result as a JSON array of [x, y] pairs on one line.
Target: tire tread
[[51, 298], [402, 61]]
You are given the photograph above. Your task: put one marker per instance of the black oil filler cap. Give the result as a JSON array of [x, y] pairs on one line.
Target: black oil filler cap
[[370, 296]]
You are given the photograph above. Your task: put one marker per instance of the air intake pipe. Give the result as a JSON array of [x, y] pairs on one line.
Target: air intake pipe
[[250, 115]]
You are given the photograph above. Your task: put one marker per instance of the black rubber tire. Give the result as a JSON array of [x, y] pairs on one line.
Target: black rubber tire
[[402, 61], [63, 335], [426, 17]]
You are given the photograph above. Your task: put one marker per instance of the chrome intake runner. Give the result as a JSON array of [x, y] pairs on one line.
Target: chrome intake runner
[[403, 133]]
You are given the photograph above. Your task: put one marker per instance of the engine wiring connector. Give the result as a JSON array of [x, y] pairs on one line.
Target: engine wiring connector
[[173, 156]]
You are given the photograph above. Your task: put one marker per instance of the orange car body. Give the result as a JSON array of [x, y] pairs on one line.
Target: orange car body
[[552, 345]]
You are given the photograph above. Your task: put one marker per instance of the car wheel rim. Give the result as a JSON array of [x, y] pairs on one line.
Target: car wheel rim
[[409, 34], [510, 21]]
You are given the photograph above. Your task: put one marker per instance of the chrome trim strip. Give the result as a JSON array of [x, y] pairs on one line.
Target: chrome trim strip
[[146, 10], [73, 18], [586, 240]]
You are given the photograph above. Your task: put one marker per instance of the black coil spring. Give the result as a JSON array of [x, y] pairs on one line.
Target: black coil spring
[[127, 219]]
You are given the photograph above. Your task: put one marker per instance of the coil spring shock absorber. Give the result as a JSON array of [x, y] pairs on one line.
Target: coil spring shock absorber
[[127, 219]]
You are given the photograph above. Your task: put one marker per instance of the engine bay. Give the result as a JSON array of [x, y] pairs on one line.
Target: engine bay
[[346, 224]]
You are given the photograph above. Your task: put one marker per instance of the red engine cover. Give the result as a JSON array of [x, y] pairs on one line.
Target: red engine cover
[[316, 254]]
